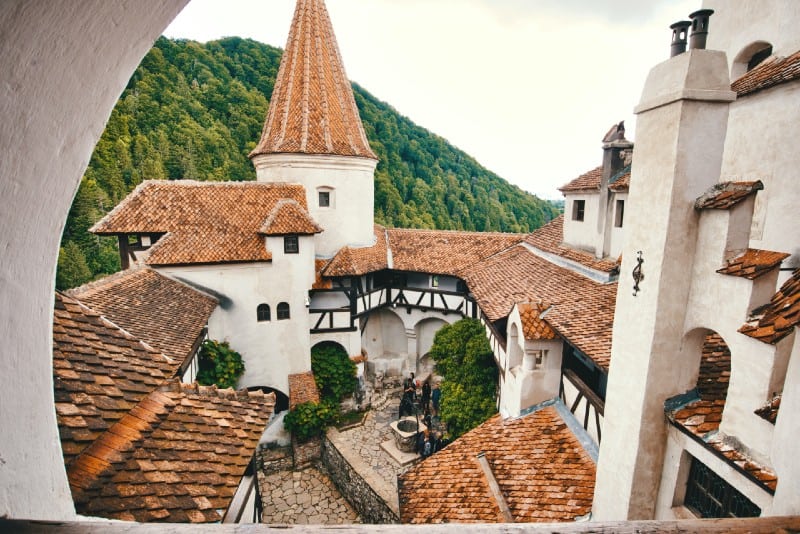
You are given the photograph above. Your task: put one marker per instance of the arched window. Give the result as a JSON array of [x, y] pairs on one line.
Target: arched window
[[262, 312], [283, 311], [749, 58]]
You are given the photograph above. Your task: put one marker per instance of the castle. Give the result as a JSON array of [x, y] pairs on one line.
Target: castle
[[699, 318]]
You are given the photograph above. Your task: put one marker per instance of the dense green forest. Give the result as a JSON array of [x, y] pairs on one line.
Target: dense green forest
[[194, 111]]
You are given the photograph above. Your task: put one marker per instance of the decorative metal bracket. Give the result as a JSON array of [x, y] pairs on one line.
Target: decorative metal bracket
[[638, 275]]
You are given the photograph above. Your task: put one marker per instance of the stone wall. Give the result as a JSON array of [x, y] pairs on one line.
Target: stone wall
[[306, 453], [272, 460], [372, 497]]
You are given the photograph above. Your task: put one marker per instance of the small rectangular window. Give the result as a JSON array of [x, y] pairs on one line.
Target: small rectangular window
[[578, 209], [709, 495], [619, 215], [324, 199], [435, 280], [291, 244]]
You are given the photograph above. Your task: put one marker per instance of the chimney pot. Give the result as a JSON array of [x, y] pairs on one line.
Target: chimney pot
[[697, 40], [680, 31]]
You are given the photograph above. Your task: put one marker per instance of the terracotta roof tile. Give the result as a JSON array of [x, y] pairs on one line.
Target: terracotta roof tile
[[312, 110], [777, 319], [589, 181], [100, 373], [204, 222], [769, 412], [319, 281], [445, 251], [770, 72], [550, 238], [725, 195], [164, 313], [179, 458], [541, 468], [302, 389], [358, 261], [621, 184], [289, 217], [753, 263], [534, 326], [583, 315]]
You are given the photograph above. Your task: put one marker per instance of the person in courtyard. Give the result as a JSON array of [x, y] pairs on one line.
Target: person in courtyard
[[436, 397], [426, 394], [409, 392]]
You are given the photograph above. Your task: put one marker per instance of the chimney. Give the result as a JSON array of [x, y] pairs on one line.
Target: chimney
[[679, 32], [615, 150], [697, 40]]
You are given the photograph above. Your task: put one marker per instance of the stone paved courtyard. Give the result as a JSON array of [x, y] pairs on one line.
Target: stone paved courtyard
[[310, 497]]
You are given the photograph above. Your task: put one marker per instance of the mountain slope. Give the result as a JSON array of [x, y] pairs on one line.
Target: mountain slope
[[194, 111]]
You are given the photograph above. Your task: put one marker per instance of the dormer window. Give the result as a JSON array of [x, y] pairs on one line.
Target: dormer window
[[578, 210], [291, 244]]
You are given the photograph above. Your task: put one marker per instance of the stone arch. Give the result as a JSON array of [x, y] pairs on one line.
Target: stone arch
[[281, 398], [329, 343], [425, 330], [383, 335], [64, 70], [749, 57], [515, 351]]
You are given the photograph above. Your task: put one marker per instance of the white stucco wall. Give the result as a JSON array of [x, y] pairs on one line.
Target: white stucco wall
[[787, 428], [271, 349], [617, 234], [63, 70], [581, 234], [349, 219]]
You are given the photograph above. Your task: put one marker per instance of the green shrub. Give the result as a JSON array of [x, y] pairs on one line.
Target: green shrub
[[334, 371], [219, 364], [309, 419]]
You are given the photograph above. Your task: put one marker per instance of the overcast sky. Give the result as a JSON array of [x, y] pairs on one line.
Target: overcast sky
[[527, 87]]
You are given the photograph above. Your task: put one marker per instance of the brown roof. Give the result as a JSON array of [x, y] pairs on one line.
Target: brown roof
[[178, 456], [543, 472], [205, 222], [319, 281], [769, 412], [164, 313], [100, 372], [445, 251], [312, 110], [588, 181], [550, 238], [357, 261], [302, 389], [623, 183], [702, 417], [534, 326], [725, 195], [583, 314], [289, 217], [777, 319], [753, 263], [772, 71]]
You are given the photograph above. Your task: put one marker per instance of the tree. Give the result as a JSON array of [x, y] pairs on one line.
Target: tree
[[334, 371], [72, 268], [219, 364], [464, 358]]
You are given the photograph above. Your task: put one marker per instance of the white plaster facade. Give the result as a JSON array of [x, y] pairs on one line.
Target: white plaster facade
[[348, 219]]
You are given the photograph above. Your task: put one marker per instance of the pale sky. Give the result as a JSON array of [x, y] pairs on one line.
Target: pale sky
[[527, 87]]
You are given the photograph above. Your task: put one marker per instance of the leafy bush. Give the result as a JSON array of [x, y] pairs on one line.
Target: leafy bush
[[219, 364], [334, 371], [310, 418], [464, 358]]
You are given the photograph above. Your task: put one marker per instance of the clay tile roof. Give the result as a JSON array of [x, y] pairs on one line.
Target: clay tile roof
[[164, 313], [319, 281], [312, 110], [772, 71], [589, 181], [753, 263], [534, 326], [100, 372], [445, 251], [777, 319], [583, 315], [541, 468], [702, 416], [178, 456], [725, 195], [357, 261], [204, 222], [769, 412], [623, 183], [289, 217], [550, 237], [302, 389]]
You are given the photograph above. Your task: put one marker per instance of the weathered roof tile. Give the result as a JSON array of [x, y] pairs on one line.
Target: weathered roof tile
[[770, 72], [777, 319]]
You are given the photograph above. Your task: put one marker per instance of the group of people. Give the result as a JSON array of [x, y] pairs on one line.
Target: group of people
[[428, 441]]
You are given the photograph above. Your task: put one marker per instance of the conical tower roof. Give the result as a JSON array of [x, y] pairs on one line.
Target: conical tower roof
[[312, 110]]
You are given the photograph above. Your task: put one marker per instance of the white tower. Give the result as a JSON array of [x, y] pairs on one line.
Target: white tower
[[313, 134]]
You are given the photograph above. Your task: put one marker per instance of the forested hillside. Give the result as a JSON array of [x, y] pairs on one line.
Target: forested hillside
[[194, 111]]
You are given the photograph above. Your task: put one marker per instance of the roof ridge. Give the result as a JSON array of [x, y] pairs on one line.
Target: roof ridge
[[106, 281]]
